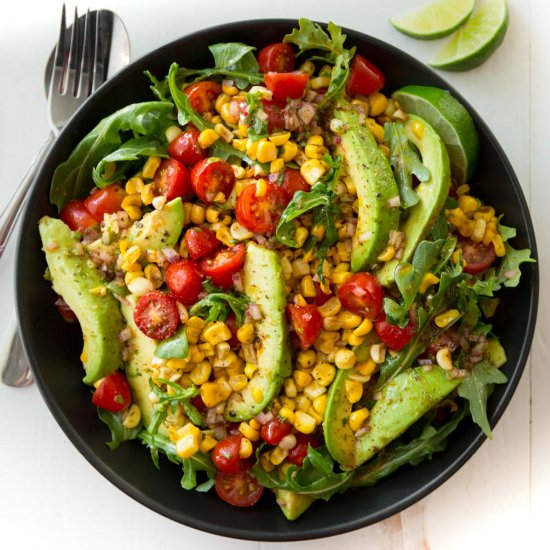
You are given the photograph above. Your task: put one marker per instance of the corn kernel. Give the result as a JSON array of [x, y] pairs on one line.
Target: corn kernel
[[287, 414], [378, 353], [134, 185], [485, 212], [462, 189], [479, 230], [150, 167], [200, 373], [257, 394], [243, 128], [301, 378], [446, 318], [307, 67], [213, 393], [301, 236], [279, 138], [140, 286], [245, 333], [131, 200], [376, 130], [331, 307], [238, 382], [266, 151], [249, 432], [229, 88], [289, 150], [320, 403], [240, 145], [226, 134], [349, 320], [354, 390], [444, 359], [188, 441], [324, 373], [387, 254], [366, 368], [194, 328], [428, 280], [498, 243], [364, 328], [131, 275], [261, 187], [304, 422], [198, 214], [312, 171], [216, 332], [467, 204], [229, 115], [207, 444], [250, 369], [340, 277], [131, 417], [221, 100], [307, 288], [276, 165], [319, 82], [224, 235], [377, 104], [314, 389], [207, 138], [277, 455], [326, 341], [357, 418], [305, 358], [265, 462], [332, 323], [345, 359], [290, 388]]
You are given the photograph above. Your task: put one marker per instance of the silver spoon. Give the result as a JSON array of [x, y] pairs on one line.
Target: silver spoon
[[16, 371]]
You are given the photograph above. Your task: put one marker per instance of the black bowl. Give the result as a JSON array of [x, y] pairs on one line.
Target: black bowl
[[53, 347]]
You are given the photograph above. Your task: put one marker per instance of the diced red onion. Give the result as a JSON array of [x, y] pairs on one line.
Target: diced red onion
[[262, 115], [394, 202], [171, 255], [220, 432], [238, 282], [125, 334], [425, 362], [254, 312], [264, 417]]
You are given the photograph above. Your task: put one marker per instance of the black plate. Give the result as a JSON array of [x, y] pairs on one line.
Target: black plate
[[53, 347]]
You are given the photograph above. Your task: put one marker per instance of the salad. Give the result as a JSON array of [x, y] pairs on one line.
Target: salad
[[283, 278]]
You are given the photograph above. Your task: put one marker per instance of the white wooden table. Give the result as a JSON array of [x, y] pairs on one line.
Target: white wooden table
[[52, 498]]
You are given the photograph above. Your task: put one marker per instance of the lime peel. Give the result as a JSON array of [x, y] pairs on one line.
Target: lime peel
[[434, 20], [477, 40]]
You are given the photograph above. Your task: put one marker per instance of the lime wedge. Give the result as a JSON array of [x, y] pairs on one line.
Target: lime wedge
[[476, 40], [451, 121], [435, 20]]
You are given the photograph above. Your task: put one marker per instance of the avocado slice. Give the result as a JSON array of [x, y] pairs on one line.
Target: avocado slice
[[142, 349], [373, 179], [264, 284], [432, 193], [73, 278], [292, 504], [159, 228], [404, 400]]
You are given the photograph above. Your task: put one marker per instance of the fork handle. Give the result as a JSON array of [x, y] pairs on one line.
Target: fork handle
[[13, 208]]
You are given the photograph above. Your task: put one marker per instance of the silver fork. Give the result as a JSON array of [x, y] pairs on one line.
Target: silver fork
[[80, 65]]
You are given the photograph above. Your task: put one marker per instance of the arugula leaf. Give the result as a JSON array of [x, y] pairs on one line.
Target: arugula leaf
[[119, 433], [405, 162], [186, 114], [217, 306], [425, 333], [236, 60], [257, 126], [72, 179], [315, 478], [477, 388], [322, 202], [199, 462], [399, 453], [509, 273], [311, 36], [408, 277], [170, 401], [175, 347], [130, 151]]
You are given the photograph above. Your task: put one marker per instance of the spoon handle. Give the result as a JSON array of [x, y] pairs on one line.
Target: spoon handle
[[13, 208]]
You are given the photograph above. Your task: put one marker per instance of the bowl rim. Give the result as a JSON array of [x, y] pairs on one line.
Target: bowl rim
[[292, 534]]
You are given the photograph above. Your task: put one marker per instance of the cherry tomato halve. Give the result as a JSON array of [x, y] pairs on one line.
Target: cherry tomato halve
[[113, 393], [173, 180], [477, 256], [362, 294], [200, 242], [225, 455], [307, 323], [297, 454], [202, 95], [240, 489], [186, 148], [365, 78], [291, 183], [77, 216], [278, 57], [275, 116], [211, 176], [156, 315], [184, 281], [260, 214], [395, 337], [274, 430], [286, 85], [223, 265], [105, 201]]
